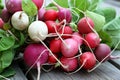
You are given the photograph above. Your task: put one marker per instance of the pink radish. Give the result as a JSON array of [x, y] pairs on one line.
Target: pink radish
[[78, 38], [51, 59], [41, 13], [70, 49], [38, 3], [92, 40], [1, 23], [71, 64], [87, 60], [83, 25]]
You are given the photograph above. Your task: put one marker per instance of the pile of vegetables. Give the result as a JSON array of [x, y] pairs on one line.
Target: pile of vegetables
[[70, 34]]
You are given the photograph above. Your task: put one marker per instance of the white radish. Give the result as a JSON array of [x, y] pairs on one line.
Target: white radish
[[20, 20], [38, 29]]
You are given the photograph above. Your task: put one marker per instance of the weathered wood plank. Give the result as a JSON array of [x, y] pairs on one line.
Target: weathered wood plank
[[116, 62], [106, 71], [19, 74]]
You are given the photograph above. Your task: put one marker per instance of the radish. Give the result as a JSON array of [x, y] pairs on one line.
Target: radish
[[87, 60], [5, 15], [66, 31], [13, 5], [55, 46], [32, 52], [51, 26], [71, 64], [20, 20], [50, 15], [101, 51], [38, 29], [35, 55], [70, 49], [1, 23], [51, 59], [41, 13], [92, 40], [63, 13], [78, 38], [38, 3], [85, 25]]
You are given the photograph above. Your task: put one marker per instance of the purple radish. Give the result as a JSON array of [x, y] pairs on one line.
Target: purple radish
[[63, 13]]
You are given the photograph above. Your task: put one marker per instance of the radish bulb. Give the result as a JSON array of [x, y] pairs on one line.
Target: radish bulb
[[63, 13], [20, 20], [38, 30], [13, 5]]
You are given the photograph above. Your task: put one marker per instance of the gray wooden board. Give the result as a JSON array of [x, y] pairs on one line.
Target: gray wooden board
[[19, 74], [106, 71], [116, 62]]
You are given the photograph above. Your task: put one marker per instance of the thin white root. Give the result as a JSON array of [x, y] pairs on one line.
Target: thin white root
[[104, 58], [51, 52], [78, 68], [39, 71]]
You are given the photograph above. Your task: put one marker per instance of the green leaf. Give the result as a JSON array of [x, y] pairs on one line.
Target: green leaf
[[108, 12], [6, 58], [98, 20], [113, 25], [105, 37], [2, 33], [93, 5], [62, 3], [21, 40], [82, 4], [113, 29], [29, 7], [6, 42], [8, 72]]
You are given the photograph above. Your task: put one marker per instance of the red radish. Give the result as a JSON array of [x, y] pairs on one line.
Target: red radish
[[101, 51], [67, 30], [20, 20], [50, 15], [92, 39], [63, 13], [78, 38], [71, 64], [51, 26], [55, 46], [38, 31], [83, 25], [70, 49], [51, 59], [5, 15], [41, 13], [13, 5], [1, 23], [32, 52], [38, 3], [87, 60]]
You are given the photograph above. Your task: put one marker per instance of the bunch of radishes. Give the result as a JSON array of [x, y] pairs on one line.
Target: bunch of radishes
[[52, 39]]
